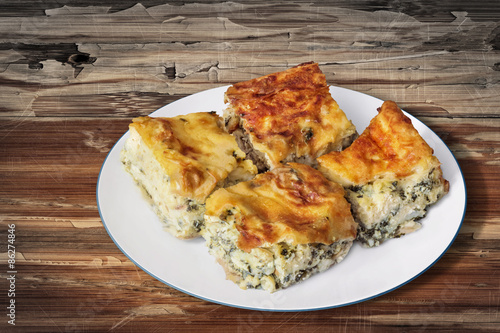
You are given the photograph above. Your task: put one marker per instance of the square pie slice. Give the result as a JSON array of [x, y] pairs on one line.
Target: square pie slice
[[279, 228], [179, 161], [390, 175], [288, 116]]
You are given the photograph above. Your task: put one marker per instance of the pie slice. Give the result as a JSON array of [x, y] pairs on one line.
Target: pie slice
[[390, 175], [179, 161], [279, 228], [289, 116]]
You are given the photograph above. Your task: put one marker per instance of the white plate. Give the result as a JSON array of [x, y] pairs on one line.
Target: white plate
[[364, 274]]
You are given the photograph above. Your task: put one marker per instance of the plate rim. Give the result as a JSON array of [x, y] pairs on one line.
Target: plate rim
[[452, 240]]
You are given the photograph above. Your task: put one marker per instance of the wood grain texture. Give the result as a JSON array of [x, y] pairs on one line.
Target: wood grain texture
[[74, 73]]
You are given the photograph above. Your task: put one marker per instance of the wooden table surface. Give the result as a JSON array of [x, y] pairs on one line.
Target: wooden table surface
[[74, 73]]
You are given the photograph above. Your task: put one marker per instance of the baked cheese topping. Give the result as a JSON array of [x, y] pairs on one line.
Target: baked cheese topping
[[289, 113], [390, 148], [390, 175], [294, 204], [194, 151]]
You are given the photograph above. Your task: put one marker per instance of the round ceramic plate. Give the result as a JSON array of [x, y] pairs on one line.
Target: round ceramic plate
[[364, 274]]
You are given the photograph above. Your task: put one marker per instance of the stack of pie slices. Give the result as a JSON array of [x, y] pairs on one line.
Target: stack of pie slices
[[282, 185]]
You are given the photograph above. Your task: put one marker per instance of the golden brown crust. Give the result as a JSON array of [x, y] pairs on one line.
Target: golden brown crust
[[195, 152], [294, 203], [290, 112], [389, 148]]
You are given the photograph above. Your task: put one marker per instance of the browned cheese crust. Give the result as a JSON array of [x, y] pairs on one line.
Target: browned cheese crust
[[389, 148], [288, 115], [390, 175], [194, 151], [294, 204]]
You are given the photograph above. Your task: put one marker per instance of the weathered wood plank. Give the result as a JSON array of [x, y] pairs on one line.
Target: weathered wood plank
[[162, 304], [422, 70], [421, 10]]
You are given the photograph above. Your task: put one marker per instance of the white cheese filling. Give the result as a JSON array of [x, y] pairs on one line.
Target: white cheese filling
[[390, 209], [269, 268], [182, 217]]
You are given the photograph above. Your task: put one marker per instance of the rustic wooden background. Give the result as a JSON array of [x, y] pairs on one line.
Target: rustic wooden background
[[73, 74]]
